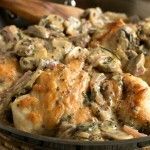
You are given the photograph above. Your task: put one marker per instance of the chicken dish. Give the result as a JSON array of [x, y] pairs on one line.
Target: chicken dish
[[81, 78]]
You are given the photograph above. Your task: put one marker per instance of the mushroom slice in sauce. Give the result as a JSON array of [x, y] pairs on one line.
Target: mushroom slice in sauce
[[54, 22], [104, 60], [136, 65]]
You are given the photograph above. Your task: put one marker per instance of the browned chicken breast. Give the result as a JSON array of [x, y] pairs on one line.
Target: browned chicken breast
[[134, 108], [9, 72], [57, 92]]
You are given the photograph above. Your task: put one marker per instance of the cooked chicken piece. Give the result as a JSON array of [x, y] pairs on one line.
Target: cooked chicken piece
[[104, 60], [9, 72], [27, 46], [133, 109], [21, 86], [108, 36], [135, 66], [99, 105], [31, 51], [54, 22], [57, 92], [25, 115], [34, 51], [131, 131]]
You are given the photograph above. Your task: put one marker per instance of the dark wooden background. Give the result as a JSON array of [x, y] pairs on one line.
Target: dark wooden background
[[131, 7]]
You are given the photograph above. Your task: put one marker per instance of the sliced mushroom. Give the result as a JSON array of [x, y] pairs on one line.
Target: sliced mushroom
[[28, 63], [20, 87], [99, 105], [38, 31], [116, 135], [25, 47], [60, 47], [54, 22], [9, 37], [136, 65], [77, 53], [104, 60], [95, 85], [72, 26], [11, 33]]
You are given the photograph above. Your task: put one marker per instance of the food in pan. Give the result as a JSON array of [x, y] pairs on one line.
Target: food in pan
[[83, 79]]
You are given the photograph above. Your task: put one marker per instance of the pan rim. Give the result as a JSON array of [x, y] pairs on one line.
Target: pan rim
[[42, 138]]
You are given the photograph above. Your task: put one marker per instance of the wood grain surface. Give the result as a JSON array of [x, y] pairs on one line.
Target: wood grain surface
[[33, 10]]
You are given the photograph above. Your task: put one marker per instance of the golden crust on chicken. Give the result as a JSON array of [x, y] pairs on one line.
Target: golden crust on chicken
[[9, 72], [56, 92], [135, 104]]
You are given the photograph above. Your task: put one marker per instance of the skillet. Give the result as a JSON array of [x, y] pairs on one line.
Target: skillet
[[140, 8]]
